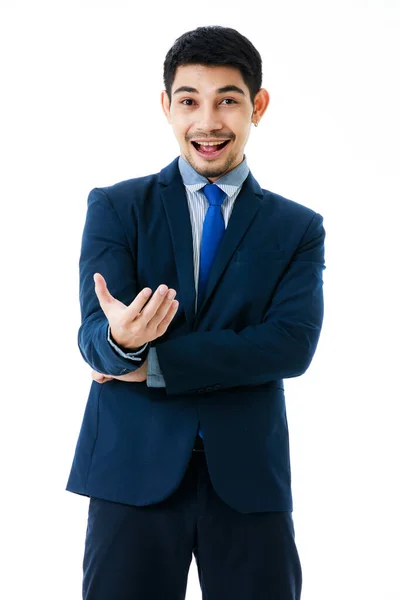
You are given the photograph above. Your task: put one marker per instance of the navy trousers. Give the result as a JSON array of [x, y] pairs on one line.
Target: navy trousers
[[144, 553]]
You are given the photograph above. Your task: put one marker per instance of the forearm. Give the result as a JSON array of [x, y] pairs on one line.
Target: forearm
[[226, 359], [106, 250], [282, 345], [100, 354]]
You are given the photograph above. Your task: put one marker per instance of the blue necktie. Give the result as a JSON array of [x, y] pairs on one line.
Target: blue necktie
[[213, 230]]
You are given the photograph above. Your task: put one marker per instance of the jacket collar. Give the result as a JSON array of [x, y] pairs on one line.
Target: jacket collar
[[173, 195]]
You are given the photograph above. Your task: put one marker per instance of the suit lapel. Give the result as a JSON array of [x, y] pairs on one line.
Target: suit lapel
[[174, 198], [244, 211]]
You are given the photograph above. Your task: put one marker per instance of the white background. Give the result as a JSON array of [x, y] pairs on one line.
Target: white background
[[81, 84]]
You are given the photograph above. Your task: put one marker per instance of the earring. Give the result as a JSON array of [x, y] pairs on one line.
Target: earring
[[256, 124]]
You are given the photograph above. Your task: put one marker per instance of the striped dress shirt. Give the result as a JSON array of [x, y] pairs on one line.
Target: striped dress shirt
[[231, 184]]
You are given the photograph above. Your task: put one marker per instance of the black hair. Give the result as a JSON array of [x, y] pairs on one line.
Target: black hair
[[215, 46]]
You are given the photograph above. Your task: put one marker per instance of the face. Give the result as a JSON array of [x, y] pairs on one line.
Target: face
[[211, 114]]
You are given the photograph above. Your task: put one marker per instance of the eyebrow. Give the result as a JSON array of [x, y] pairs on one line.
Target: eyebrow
[[223, 90]]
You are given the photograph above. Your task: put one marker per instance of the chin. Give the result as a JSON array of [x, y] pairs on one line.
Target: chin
[[211, 168]]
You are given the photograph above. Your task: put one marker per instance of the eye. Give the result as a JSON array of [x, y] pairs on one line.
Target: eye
[[186, 100], [229, 100]]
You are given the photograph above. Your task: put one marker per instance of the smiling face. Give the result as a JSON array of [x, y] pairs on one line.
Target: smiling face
[[211, 114]]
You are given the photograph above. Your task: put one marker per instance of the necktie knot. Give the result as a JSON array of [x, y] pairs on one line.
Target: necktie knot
[[214, 194]]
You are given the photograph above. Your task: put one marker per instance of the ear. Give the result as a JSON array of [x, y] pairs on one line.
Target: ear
[[261, 102], [165, 104]]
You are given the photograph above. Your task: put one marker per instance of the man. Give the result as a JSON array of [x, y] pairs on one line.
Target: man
[[207, 294]]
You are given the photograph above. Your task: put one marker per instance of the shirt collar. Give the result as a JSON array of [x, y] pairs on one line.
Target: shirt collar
[[234, 178]]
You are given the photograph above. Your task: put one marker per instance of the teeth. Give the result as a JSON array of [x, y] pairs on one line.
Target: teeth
[[210, 143]]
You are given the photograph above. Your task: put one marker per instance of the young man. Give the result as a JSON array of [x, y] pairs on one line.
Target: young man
[[207, 294]]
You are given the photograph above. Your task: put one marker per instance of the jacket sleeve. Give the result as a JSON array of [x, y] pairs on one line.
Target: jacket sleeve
[[105, 250], [281, 346]]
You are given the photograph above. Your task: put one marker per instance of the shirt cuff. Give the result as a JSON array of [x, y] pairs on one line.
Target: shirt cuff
[[131, 355], [155, 377]]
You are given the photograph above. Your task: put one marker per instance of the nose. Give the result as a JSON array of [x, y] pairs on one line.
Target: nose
[[209, 119]]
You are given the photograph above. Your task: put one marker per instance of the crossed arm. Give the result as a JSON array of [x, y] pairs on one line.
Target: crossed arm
[[281, 346]]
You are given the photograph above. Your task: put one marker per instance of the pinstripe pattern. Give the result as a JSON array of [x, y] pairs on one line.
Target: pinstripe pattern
[[198, 203], [231, 184]]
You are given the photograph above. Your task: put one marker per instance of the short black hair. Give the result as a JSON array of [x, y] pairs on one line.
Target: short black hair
[[215, 46]]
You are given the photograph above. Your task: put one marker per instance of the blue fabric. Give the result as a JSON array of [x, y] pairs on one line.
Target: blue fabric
[[213, 231], [235, 177], [223, 364], [245, 556], [190, 177], [132, 355]]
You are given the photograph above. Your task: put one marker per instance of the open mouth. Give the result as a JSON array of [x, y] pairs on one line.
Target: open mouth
[[210, 149]]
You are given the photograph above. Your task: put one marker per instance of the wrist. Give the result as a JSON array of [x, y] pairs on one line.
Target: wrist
[[122, 346]]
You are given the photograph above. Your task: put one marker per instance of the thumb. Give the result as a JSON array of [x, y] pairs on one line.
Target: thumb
[[106, 300]]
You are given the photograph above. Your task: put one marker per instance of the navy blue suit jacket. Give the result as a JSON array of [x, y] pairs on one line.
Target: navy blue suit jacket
[[259, 323]]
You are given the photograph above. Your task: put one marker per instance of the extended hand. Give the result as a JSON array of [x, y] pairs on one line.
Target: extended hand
[[138, 375], [134, 325]]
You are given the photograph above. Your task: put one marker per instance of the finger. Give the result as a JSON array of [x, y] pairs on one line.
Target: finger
[[163, 326], [127, 377], [163, 309], [137, 304], [100, 377], [106, 300], [134, 377], [105, 379], [160, 296], [96, 376]]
